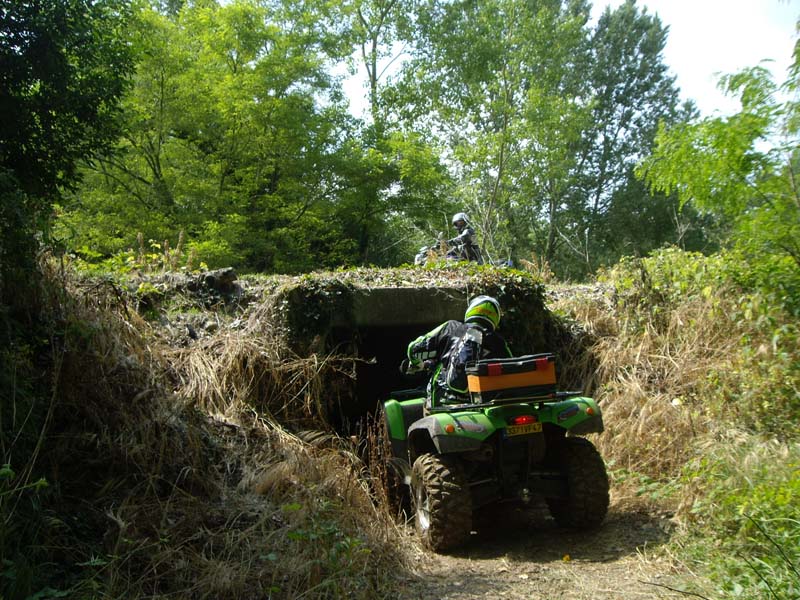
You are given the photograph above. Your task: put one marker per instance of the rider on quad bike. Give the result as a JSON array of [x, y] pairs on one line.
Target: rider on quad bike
[[492, 428], [447, 349]]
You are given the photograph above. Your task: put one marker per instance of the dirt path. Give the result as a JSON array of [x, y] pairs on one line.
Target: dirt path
[[522, 555]]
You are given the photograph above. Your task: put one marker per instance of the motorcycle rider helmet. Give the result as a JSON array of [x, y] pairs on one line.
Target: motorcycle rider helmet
[[485, 310], [460, 221]]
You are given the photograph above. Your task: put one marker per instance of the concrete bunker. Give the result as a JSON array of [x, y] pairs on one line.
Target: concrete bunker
[[374, 324]]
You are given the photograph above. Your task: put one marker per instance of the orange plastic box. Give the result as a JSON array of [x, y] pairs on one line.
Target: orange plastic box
[[530, 376]]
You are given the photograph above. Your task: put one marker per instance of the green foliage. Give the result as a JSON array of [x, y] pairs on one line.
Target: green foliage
[[649, 288], [761, 386], [644, 485], [17, 248], [236, 132], [24, 412], [343, 556], [733, 339], [714, 163], [217, 246], [758, 385], [311, 307], [151, 257], [543, 117], [741, 168], [631, 91], [746, 497], [65, 64], [500, 81], [635, 224]]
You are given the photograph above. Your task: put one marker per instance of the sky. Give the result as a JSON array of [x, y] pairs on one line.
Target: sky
[[712, 37], [707, 38]]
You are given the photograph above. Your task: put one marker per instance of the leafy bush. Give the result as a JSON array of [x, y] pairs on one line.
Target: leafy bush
[[703, 371], [743, 493], [757, 382]]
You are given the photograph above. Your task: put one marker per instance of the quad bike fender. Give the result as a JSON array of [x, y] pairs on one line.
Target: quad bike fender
[[577, 415], [450, 432], [397, 416], [395, 423]]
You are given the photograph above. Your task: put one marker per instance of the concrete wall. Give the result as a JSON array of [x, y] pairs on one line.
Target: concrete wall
[[390, 307]]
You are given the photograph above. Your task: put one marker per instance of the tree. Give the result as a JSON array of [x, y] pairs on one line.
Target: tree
[[501, 82], [375, 30], [544, 116], [743, 169], [234, 134], [65, 66], [237, 134], [632, 92], [403, 177]]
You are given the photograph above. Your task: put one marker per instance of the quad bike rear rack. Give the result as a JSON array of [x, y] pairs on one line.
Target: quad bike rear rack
[[552, 397]]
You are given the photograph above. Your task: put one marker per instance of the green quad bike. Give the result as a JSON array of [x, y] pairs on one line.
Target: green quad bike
[[513, 441]]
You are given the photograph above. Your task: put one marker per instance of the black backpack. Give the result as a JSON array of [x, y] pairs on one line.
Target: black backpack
[[466, 350]]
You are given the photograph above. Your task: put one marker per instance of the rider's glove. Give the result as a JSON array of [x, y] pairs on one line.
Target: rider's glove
[[407, 367]]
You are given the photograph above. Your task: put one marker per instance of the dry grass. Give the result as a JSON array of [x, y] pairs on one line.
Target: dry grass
[[253, 368], [652, 379], [539, 267], [183, 482]]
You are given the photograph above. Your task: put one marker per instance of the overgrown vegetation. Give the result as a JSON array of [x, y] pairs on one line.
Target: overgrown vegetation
[[160, 137], [236, 130], [130, 489], [700, 388], [146, 466]]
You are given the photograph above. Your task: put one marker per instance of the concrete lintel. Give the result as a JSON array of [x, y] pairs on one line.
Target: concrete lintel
[[389, 307]]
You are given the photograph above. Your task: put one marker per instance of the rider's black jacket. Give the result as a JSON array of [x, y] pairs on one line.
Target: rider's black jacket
[[438, 345], [466, 245]]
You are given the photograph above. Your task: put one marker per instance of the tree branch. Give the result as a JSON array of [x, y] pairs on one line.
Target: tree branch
[[672, 589]]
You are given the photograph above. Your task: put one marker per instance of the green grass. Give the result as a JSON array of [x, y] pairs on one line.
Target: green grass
[[742, 495]]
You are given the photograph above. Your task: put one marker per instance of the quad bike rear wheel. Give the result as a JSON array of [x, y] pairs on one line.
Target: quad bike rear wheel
[[442, 502], [586, 504]]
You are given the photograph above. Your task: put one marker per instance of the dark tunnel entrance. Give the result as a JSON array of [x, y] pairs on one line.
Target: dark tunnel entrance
[[369, 329], [382, 349], [386, 321], [383, 321]]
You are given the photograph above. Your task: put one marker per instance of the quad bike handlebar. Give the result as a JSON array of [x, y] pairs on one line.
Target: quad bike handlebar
[[406, 368]]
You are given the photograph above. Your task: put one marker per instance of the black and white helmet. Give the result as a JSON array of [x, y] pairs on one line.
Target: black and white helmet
[[460, 220]]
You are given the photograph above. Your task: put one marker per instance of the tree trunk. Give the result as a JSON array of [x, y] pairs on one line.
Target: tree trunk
[[550, 249]]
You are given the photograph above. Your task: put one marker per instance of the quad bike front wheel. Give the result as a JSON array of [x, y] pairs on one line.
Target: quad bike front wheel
[[442, 503], [586, 503]]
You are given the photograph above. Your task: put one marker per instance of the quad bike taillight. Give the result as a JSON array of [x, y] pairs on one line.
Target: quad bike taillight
[[523, 420]]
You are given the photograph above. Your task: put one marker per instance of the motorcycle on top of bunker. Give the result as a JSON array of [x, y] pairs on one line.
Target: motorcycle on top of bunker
[[443, 250], [447, 250]]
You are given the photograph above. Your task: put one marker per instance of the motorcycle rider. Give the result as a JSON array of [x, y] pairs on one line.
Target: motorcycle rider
[[447, 348], [464, 244]]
